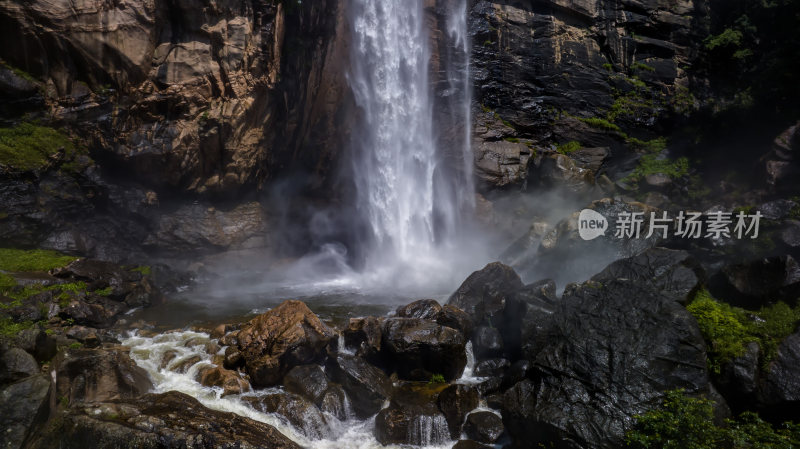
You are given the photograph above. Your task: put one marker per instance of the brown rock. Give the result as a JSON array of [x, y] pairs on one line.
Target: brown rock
[[230, 381], [281, 338], [96, 375]]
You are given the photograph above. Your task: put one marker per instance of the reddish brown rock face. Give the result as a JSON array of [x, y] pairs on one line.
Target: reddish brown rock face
[[274, 342]]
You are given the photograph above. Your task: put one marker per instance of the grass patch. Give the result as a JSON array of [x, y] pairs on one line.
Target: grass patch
[[601, 123], [144, 269], [32, 260], [728, 329], [683, 422], [104, 291], [10, 328], [28, 146], [650, 164], [569, 147], [656, 145]]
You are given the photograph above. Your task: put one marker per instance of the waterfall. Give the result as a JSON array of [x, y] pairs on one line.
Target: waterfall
[[413, 188]]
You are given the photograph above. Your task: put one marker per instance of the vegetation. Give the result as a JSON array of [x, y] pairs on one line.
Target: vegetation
[[569, 147], [10, 328], [437, 379], [683, 422], [601, 123], [144, 269], [32, 260], [643, 67], [19, 72], [28, 146], [728, 329], [650, 164]]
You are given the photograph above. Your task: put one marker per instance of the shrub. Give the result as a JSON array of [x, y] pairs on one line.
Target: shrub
[[569, 147], [437, 379]]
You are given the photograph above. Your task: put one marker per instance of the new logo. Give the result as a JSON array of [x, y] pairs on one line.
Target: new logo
[[591, 224]]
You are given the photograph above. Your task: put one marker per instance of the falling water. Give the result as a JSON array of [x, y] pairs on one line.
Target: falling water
[[408, 191]]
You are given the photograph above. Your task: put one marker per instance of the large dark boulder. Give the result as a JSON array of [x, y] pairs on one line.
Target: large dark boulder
[[412, 417], [612, 348], [24, 404], [418, 349], [757, 283], [363, 335], [427, 309], [274, 342], [171, 420], [298, 411], [16, 364], [484, 427], [308, 381], [455, 402], [780, 390], [97, 375], [366, 385], [483, 295]]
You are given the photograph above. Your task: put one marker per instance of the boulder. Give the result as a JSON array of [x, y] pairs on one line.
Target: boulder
[[308, 381], [427, 309], [452, 316], [418, 349], [97, 375], [298, 411], [455, 402], [780, 390], [364, 336], [483, 295], [334, 401], [16, 364], [412, 418], [492, 367], [25, 404], [739, 378], [37, 343], [366, 385], [231, 382], [559, 170], [757, 283], [487, 342], [171, 420], [484, 427], [611, 349], [275, 341]]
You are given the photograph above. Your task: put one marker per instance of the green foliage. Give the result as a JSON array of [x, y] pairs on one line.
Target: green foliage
[[104, 291], [32, 260], [643, 67], [608, 66], [728, 329], [656, 145], [19, 72], [7, 282], [650, 164], [10, 328], [726, 38], [601, 123], [569, 147], [75, 345], [28, 146], [683, 422], [721, 327], [144, 269], [437, 379]]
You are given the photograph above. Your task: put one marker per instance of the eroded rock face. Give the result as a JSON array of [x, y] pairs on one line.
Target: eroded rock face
[[612, 348], [151, 422], [418, 349], [25, 403], [97, 375], [275, 341]]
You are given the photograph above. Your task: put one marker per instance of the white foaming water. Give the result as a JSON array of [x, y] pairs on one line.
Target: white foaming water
[[414, 202], [149, 352]]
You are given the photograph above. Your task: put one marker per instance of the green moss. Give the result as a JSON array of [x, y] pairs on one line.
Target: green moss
[[650, 164], [437, 379], [32, 260], [11, 328], [104, 291], [727, 38], [601, 123], [75, 345], [631, 104], [7, 282], [722, 327], [20, 73], [656, 145], [569, 147], [511, 139], [608, 66], [144, 269], [684, 422], [642, 66], [728, 329], [28, 146]]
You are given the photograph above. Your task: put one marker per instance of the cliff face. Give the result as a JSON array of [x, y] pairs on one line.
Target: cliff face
[[207, 97], [541, 66]]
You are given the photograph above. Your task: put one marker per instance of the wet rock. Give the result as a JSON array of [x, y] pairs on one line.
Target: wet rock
[[308, 381], [612, 348], [518, 371], [759, 282], [38, 343], [483, 295], [426, 309], [16, 364], [455, 402], [487, 342], [544, 290], [470, 444], [171, 420], [501, 163], [780, 391], [183, 365], [25, 404], [299, 412], [671, 271], [492, 367], [590, 158], [366, 385], [658, 181], [418, 349], [560, 170], [230, 381], [412, 417], [452, 316], [274, 342], [364, 335], [489, 386], [484, 427], [96, 375], [738, 379], [790, 235], [776, 210], [335, 402]]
